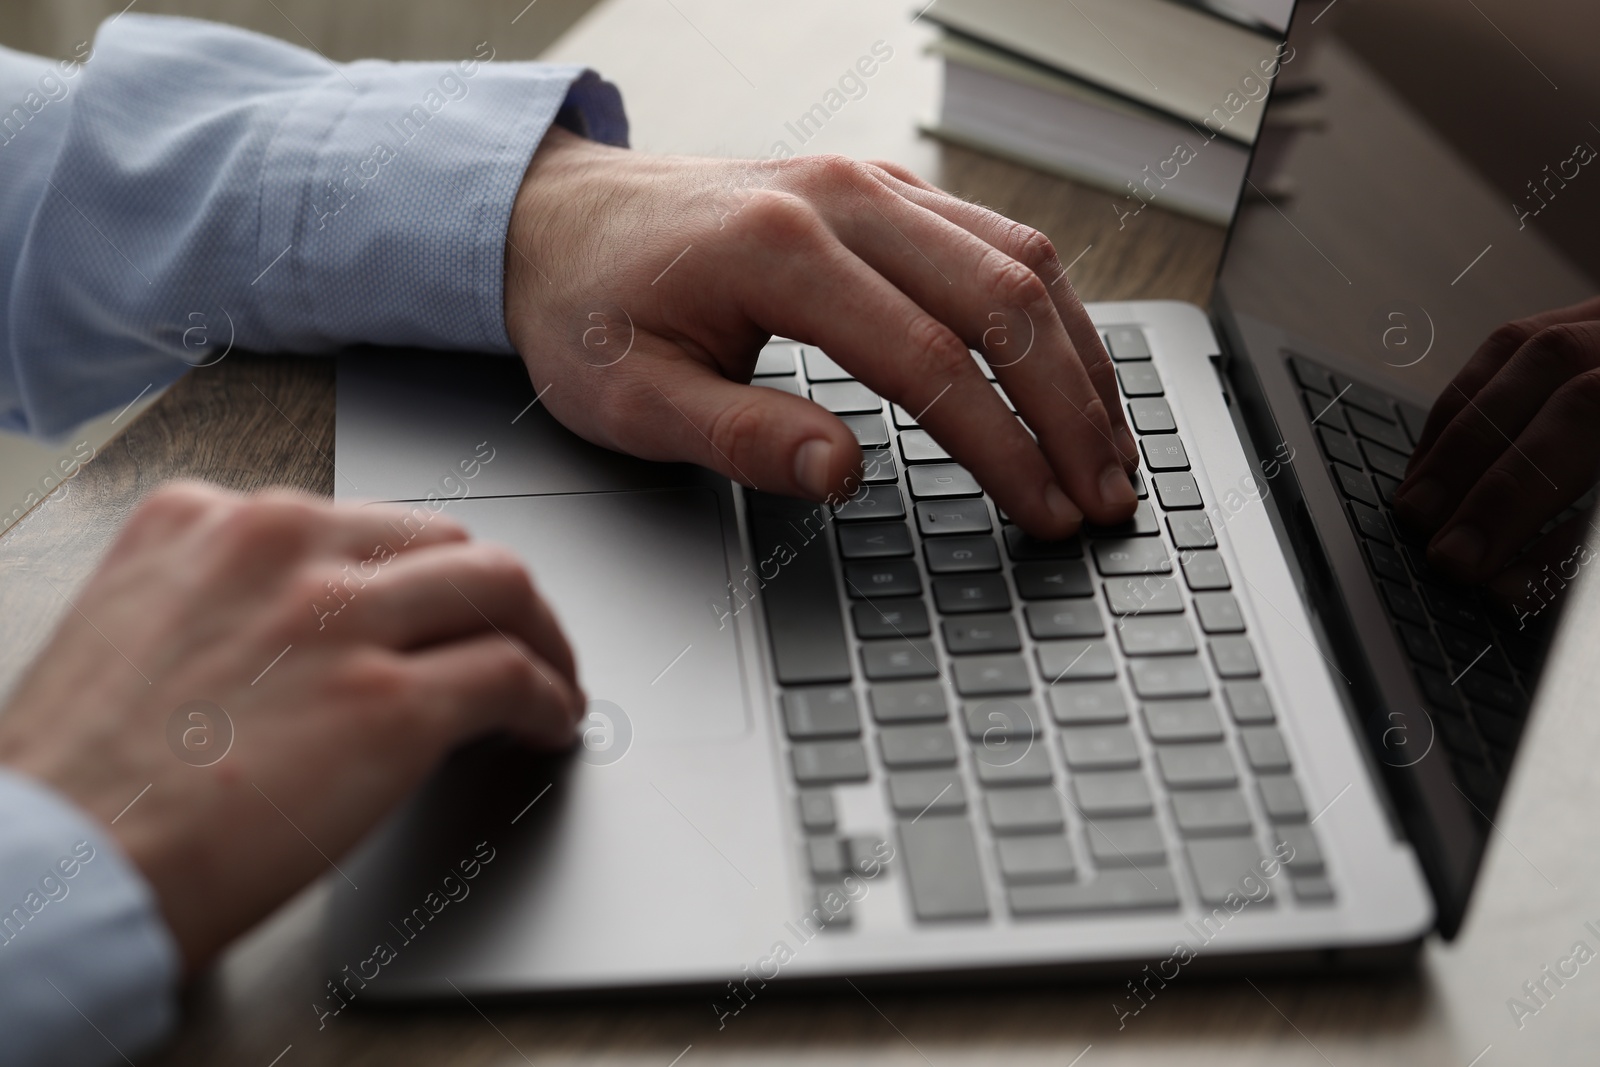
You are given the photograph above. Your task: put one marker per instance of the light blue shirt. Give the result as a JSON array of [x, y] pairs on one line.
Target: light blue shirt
[[177, 188]]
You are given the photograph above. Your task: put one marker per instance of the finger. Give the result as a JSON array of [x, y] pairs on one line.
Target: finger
[[1532, 584], [400, 527], [1486, 429], [1552, 463], [490, 682]]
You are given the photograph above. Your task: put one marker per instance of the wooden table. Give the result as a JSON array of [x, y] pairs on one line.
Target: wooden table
[[721, 77]]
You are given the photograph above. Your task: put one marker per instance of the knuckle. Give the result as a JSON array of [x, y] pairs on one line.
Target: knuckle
[[1565, 342], [938, 355], [175, 505], [1580, 395], [738, 429], [831, 171], [276, 525], [1029, 246], [502, 567], [781, 219], [1500, 484], [1012, 283], [1511, 336]]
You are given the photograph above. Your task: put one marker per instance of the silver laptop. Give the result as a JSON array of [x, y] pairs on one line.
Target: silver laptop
[[902, 738]]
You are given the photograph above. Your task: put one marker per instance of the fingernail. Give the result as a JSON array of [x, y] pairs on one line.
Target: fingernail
[[1424, 497], [1060, 506], [1126, 446], [1462, 545], [811, 463], [1115, 489]]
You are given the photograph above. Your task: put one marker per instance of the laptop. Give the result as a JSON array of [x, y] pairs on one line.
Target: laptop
[[898, 738]]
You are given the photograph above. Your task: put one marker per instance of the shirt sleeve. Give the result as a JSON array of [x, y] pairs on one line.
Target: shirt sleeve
[[88, 969], [183, 189]]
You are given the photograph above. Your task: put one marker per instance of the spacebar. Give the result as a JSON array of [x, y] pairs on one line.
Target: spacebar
[[799, 585]]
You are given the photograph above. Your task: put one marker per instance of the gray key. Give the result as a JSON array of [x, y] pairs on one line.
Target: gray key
[[1192, 530], [870, 430], [1219, 613], [1150, 595], [1112, 793], [863, 855], [1099, 748], [826, 711], [821, 368], [1249, 702], [1139, 379], [1126, 842], [1155, 635], [1048, 580], [1177, 490], [777, 357], [1131, 555], [1264, 748], [1234, 658], [1169, 677], [918, 446], [817, 813], [822, 762], [941, 479], [1227, 865], [903, 419], [1280, 795], [1070, 661], [872, 502], [973, 592], [846, 398], [894, 617], [1208, 812], [1008, 769], [1063, 618], [1077, 703], [981, 676], [1165, 452], [1313, 889], [956, 516], [1143, 524], [875, 541], [1205, 570], [1025, 547], [1196, 766], [882, 577], [877, 465], [825, 857], [1126, 343], [908, 702], [1131, 890], [960, 555], [934, 792], [1307, 855], [1036, 858], [1004, 719], [940, 859], [788, 385], [885, 661], [1182, 720], [917, 746], [981, 633], [1024, 811], [1151, 414]]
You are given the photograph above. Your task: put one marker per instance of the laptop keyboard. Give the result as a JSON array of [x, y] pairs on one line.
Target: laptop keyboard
[[1474, 668], [1059, 728]]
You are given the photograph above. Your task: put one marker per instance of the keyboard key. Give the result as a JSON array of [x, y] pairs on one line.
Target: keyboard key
[[1191, 531], [1182, 720], [980, 633], [1264, 748], [1024, 811], [889, 577], [961, 555], [821, 368], [1339, 446], [777, 357], [903, 419], [1127, 890], [1233, 657], [1483, 689], [1382, 431], [1139, 379], [979, 676], [1031, 768], [1196, 766], [872, 502], [1143, 524], [1280, 795], [1155, 635], [1056, 578], [995, 722], [1177, 491], [1356, 485], [953, 517], [1139, 488], [1061, 661], [1387, 487], [1310, 375], [917, 746], [1404, 603], [1131, 555], [1049, 619], [918, 446], [1205, 570], [861, 855], [1464, 648], [1151, 414], [1365, 397], [1165, 452], [1169, 677], [788, 385], [902, 658], [1112, 793], [1023, 546], [824, 711], [940, 859], [1385, 460], [1306, 855], [1099, 748], [877, 465], [1219, 613], [846, 398], [824, 762], [940, 480], [817, 813], [1087, 702], [908, 702], [1210, 812], [1457, 609], [804, 621], [1143, 596], [1386, 562], [1036, 858], [874, 540], [1370, 524], [890, 618], [976, 592], [825, 857], [1126, 343], [870, 430], [1224, 866], [916, 793], [1312, 889], [1421, 646], [1125, 842]]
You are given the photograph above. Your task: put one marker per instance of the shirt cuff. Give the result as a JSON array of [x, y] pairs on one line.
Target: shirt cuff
[[88, 968]]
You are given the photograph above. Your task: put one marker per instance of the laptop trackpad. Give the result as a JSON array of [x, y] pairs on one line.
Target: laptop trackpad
[[634, 579]]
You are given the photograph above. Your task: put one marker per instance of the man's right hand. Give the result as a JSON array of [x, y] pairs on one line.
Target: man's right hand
[[348, 648]]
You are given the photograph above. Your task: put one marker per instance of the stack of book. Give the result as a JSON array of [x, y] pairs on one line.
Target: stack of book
[[1157, 100]]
